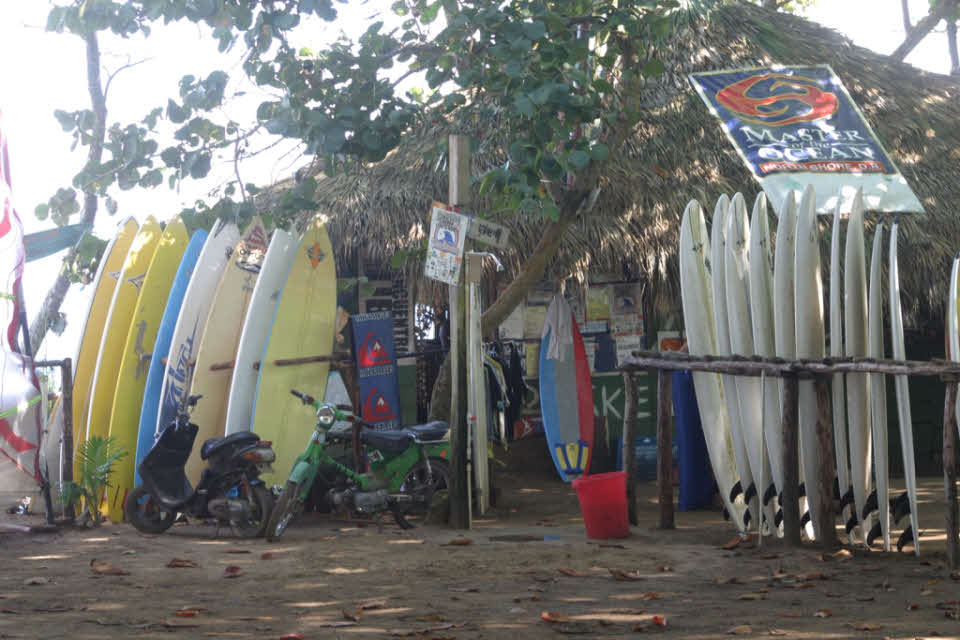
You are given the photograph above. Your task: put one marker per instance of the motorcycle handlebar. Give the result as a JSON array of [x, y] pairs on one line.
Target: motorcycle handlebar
[[306, 399]]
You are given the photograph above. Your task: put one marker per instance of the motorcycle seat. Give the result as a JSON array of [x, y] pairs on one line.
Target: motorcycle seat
[[213, 445], [389, 441], [431, 431]]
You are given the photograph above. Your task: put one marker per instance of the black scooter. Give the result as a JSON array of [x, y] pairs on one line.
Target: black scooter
[[230, 489]]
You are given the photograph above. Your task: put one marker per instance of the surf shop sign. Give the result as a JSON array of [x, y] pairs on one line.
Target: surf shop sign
[[376, 360], [795, 126]]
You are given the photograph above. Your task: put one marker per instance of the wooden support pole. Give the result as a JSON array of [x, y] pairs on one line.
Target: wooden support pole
[[791, 462], [826, 529], [66, 442], [665, 448], [950, 475], [629, 444]]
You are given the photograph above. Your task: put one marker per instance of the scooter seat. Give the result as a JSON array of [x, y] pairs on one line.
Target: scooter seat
[[431, 431], [389, 441], [212, 445]]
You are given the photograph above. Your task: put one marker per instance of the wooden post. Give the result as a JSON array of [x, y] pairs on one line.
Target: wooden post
[[790, 502], [629, 444], [665, 448], [950, 474], [460, 499], [827, 533], [66, 442]]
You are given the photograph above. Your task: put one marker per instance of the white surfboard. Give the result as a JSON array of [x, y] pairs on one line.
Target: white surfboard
[[697, 296], [878, 389], [836, 351], [728, 382], [256, 328], [811, 342], [764, 343], [855, 346], [749, 389], [953, 320], [904, 417]]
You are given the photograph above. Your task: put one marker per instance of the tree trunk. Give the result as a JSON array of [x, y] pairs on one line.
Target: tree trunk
[[952, 46], [56, 294], [925, 26], [905, 6]]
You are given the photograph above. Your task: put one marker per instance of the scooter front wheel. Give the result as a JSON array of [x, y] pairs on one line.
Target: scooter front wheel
[[260, 506], [145, 513], [284, 511]]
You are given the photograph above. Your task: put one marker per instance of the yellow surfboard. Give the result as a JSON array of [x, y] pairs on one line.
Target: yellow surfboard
[[122, 307], [135, 363], [219, 345], [303, 328], [104, 284]]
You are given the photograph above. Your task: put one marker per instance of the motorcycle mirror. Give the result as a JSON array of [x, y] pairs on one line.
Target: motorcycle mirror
[[192, 401]]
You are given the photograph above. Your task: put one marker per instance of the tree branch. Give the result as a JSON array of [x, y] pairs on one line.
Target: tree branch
[[129, 65], [905, 6], [920, 31]]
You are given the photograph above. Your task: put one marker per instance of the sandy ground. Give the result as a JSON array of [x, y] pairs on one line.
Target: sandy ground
[[527, 561]]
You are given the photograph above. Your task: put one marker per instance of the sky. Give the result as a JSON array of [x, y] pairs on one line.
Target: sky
[[44, 71]]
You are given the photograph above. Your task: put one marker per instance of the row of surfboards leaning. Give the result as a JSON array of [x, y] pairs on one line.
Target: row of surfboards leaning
[[741, 297], [207, 313]]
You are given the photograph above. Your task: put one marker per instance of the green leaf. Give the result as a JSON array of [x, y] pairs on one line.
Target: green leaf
[[524, 105], [176, 113], [66, 119], [112, 206], [579, 159], [653, 67], [599, 151], [42, 211], [534, 30]]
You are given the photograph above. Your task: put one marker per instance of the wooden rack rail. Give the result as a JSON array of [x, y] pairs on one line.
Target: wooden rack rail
[[792, 372]]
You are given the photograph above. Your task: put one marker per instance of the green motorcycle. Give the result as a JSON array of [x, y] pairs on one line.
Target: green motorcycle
[[406, 468]]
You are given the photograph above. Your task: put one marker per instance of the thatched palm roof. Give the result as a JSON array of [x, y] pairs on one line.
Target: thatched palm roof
[[679, 152]]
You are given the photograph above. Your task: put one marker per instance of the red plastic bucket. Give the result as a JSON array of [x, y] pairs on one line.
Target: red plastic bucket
[[603, 503]]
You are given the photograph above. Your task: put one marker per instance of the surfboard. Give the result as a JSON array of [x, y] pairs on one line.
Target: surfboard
[[189, 328], [953, 320], [762, 316], [904, 417], [566, 393], [878, 388], [697, 297], [135, 363], [811, 341], [122, 307], [728, 382], [103, 285], [146, 430], [855, 317], [749, 389], [228, 310], [839, 412], [256, 329], [302, 328]]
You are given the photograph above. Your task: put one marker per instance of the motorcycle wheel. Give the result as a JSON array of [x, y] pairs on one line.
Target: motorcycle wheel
[[288, 504], [143, 512], [416, 485], [261, 508]]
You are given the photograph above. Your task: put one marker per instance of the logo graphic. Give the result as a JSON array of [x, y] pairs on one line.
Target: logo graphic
[[142, 356], [137, 281], [376, 408], [256, 240], [372, 352], [778, 99], [114, 274], [316, 254]]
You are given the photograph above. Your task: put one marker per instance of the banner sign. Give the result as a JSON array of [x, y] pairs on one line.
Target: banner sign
[[795, 126], [50, 241], [448, 236], [376, 360]]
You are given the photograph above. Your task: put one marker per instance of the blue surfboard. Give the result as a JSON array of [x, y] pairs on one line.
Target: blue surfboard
[[146, 435]]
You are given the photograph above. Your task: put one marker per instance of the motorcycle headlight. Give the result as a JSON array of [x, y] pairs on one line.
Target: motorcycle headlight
[[326, 415]]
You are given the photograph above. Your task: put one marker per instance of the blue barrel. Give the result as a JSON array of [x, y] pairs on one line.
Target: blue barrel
[[696, 479]]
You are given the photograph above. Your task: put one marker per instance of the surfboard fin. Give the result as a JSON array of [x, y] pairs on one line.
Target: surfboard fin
[[875, 532], [836, 488], [846, 499], [778, 518], [803, 490], [746, 518], [871, 506], [726, 514], [906, 537], [751, 493], [804, 519], [851, 523], [769, 494], [736, 490], [900, 506]]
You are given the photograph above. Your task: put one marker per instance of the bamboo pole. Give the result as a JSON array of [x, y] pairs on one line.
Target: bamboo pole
[[664, 449], [66, 442], [790, 503], [950, 474], [826, 529], [629, 444]]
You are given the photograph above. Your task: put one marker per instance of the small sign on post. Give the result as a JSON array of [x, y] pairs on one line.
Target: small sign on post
[[448, 235], [487, 232]]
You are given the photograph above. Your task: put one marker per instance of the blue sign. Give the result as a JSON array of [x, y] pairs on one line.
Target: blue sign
[[376, 359]]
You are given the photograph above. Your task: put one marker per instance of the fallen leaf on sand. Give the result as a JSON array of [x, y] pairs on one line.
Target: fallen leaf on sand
[[419, 633], [335, 623], [865, 599], [770, 556], [352, 616], [823, 613], [550, 616], [752, 596], [182, 563], [106, 569], [293, 636], [926, 592], [458, 542], [267, 556], [812, 575], [129, 552], [623, 576], [185, 614], [238, 551], [730, 580], [665, 569], [740, 630], [660, 621], [463, 589], [913, 606], [611, 546], [232, 571], [831, 594], [736, 542], [573, 573], [866, 626], [650, 595], [36, 580], [843, 554], [10, 611], [777, 632], [367, 605]]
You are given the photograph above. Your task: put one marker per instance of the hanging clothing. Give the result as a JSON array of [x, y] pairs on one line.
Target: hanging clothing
[[559, 324]]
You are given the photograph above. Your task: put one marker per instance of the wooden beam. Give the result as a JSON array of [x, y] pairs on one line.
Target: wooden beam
[[826, 526], [665, 448], [791, 470], [629, 444], [952, 523]]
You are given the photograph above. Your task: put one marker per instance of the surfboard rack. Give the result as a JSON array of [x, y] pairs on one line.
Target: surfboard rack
[[792, 372]]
